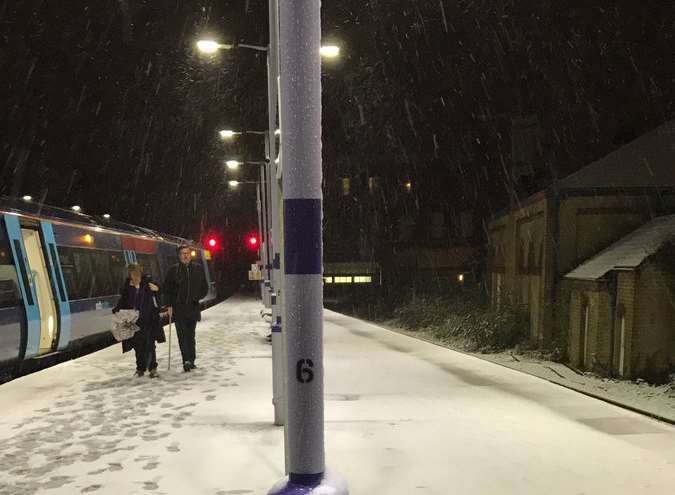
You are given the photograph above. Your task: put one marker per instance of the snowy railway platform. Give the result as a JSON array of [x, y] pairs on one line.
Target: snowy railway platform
[[403, 417]]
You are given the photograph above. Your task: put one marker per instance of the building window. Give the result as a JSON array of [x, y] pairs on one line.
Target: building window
[[622, 344], [373, 184], [583, 337], [346, 186]]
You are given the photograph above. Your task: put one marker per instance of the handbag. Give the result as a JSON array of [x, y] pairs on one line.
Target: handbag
[[124, 324]]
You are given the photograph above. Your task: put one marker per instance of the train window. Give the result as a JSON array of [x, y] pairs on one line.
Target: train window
[[328, 280], [90, 273], [363, 279], [117, 269], [84, 275], [342, 280], [9, 282], [150, 265], [106, 278]]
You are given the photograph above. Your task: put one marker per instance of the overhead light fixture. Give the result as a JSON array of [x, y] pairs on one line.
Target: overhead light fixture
[[208, 46], [330, 51], [76, 208], [27, 198]]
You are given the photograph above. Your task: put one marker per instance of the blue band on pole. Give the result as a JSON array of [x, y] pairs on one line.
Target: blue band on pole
[[302, 236], [277, 261], [305, 479]]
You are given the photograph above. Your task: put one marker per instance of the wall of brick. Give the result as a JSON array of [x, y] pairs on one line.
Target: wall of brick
[[589, 224], [518, 241], [653, 347], [625, 302], [575, 328], [588, 346]]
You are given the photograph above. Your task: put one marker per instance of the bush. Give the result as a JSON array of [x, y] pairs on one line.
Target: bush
[[463, 323]]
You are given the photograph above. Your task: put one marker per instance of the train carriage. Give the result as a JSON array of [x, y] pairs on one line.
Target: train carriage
[[61, 272]]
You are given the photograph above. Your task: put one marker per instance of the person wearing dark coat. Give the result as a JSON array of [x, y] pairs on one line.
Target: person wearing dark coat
[[184, 286], [140, 293]]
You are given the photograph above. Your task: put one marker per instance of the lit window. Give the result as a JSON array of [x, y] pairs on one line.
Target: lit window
[[342, 280], [346, 184], [460, 278], [327, 280], [408, 186], [373, 184], [363, 279]]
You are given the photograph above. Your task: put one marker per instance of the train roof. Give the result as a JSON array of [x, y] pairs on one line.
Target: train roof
[[62, 215]]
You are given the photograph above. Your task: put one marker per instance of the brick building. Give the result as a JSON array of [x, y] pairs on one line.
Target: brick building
[[622, 306], [534, 244]]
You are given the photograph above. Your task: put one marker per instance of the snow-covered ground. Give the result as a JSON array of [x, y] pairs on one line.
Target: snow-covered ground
[[656, 400], [403, 417]]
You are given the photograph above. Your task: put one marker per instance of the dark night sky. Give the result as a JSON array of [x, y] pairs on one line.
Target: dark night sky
[[106, 104]]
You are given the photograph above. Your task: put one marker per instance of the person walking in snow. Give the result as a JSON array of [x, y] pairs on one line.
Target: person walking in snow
[[184, 286], [141, 294]]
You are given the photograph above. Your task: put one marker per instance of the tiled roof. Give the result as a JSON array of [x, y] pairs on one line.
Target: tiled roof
[[630, 251]]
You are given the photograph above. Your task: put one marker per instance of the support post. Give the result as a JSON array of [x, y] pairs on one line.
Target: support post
[[278, 367], [300, 64]]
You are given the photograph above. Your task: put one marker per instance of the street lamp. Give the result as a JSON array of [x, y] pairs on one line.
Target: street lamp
[[236, 183], [232, 164], [227, 134], [210, 47], [330, 51]]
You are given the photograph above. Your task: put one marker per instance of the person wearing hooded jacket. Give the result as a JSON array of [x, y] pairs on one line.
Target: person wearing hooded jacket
[[138, 292], [184, 286]]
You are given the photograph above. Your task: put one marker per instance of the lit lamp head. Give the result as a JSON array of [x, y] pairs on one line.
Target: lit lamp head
[[227, 134], [330, 51], [233, 183], [232, 165], [208, 47]]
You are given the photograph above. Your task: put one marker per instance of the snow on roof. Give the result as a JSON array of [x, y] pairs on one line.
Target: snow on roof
[[648, 161], [630, 251]]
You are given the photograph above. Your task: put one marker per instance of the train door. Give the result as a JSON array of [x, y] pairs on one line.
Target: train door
[[31, 340], [60, 289], [40, 279]]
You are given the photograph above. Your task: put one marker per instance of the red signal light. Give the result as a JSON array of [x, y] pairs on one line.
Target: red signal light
[[212, 242], [252, 242]]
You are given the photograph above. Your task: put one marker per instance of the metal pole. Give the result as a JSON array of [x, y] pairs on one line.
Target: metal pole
[[263, 236], [260, 229], [300, 63], [277, 342]]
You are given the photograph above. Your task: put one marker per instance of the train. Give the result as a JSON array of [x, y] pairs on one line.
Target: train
[[60, 275]]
